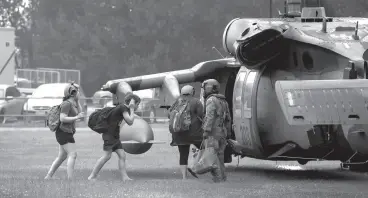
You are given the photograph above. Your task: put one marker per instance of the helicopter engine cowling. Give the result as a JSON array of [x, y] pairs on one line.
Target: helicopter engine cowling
[[252, 43]]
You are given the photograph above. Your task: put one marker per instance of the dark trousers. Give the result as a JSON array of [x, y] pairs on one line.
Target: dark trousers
[[184, 153]]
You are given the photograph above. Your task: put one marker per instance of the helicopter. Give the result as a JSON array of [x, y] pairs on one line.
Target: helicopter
[[296, 86]]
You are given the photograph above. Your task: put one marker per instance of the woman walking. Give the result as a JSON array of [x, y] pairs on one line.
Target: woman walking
[[194, 135], [70, 112]]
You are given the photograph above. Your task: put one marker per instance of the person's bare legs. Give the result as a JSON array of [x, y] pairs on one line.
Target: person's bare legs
[[57, 162], [122, 165], [100, 163], [72, 156], [184, 172]]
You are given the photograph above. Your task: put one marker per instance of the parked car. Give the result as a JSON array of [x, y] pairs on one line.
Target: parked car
[[11, 102], [100, 98], [146, 108], [24, 85], [45, 96]]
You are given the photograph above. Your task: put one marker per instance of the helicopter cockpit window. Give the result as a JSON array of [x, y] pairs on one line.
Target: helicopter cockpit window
[[307, 60]]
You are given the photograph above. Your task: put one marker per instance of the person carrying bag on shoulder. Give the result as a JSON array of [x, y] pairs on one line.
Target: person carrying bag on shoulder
[[61, 120], [186, 116], [107, 122], [217, 128]]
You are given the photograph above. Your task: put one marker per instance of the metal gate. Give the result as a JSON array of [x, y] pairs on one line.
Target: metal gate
[[66, 75], [38, 77]]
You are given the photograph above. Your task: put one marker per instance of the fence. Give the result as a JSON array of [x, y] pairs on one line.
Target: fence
[[38, 77], [31, 109], [66, 75]]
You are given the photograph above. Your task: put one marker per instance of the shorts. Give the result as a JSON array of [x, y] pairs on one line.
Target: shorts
[[64, 138], [108, 146]]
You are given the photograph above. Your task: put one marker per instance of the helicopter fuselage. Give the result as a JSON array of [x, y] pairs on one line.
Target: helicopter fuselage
[[260, 126], [319, 62]]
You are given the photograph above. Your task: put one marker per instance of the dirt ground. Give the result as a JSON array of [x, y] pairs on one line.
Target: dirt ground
[[26, 155]]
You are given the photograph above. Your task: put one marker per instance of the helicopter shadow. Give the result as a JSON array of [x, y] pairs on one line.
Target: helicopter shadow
[[335, 174]]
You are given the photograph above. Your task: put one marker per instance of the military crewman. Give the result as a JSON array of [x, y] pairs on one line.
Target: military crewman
[[217, 124]]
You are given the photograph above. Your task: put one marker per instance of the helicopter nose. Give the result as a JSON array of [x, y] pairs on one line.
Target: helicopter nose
[[252, 42], [232, 32], [260, 47]]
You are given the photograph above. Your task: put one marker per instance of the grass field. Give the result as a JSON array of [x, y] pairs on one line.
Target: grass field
[[26, 155]]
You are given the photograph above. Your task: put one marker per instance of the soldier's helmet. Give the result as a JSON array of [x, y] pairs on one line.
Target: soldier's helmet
[[187, 90], [213, 84]]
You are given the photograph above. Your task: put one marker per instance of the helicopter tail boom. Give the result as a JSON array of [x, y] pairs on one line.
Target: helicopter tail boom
[[316, 102], [193, 74]]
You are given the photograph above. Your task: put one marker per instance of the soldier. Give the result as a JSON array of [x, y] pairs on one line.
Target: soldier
[[217, 124]]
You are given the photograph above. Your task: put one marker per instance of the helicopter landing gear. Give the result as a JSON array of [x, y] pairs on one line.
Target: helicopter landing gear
[[343, 166], [356, 165]]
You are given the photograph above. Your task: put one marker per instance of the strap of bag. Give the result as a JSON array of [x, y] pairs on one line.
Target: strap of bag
[[204, 142]]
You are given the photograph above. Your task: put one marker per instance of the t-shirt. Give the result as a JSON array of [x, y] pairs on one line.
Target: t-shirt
[[69, 108], [115, 117]]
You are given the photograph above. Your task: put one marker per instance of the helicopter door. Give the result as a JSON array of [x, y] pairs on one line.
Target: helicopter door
[[246, 132], [237, 103]]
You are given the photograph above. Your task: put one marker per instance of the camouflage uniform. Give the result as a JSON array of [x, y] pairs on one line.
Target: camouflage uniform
[[217, 127]]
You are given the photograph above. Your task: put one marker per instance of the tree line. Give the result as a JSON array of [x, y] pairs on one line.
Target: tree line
[[109, 39]]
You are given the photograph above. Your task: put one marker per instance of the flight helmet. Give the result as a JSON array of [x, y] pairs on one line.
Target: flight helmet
[[187, 90], [211, 86]]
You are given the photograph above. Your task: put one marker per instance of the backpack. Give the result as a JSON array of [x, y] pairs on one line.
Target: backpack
[[180, 119], [224, 115], [53, 117], [98, 120]]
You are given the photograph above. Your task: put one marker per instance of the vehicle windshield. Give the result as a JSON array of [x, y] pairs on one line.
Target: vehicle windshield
[[49, 91], [145, 93], [2, 94], [24, 84]]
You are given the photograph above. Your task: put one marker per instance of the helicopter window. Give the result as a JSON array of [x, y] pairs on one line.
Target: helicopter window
[[307, 60], [237, 94], [295, 59]]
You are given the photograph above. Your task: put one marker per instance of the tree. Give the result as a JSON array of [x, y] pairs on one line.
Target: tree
[[16, 13], [116, 39], [12, 13]]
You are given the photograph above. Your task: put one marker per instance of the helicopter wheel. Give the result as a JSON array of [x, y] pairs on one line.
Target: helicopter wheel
[[302, 162]]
